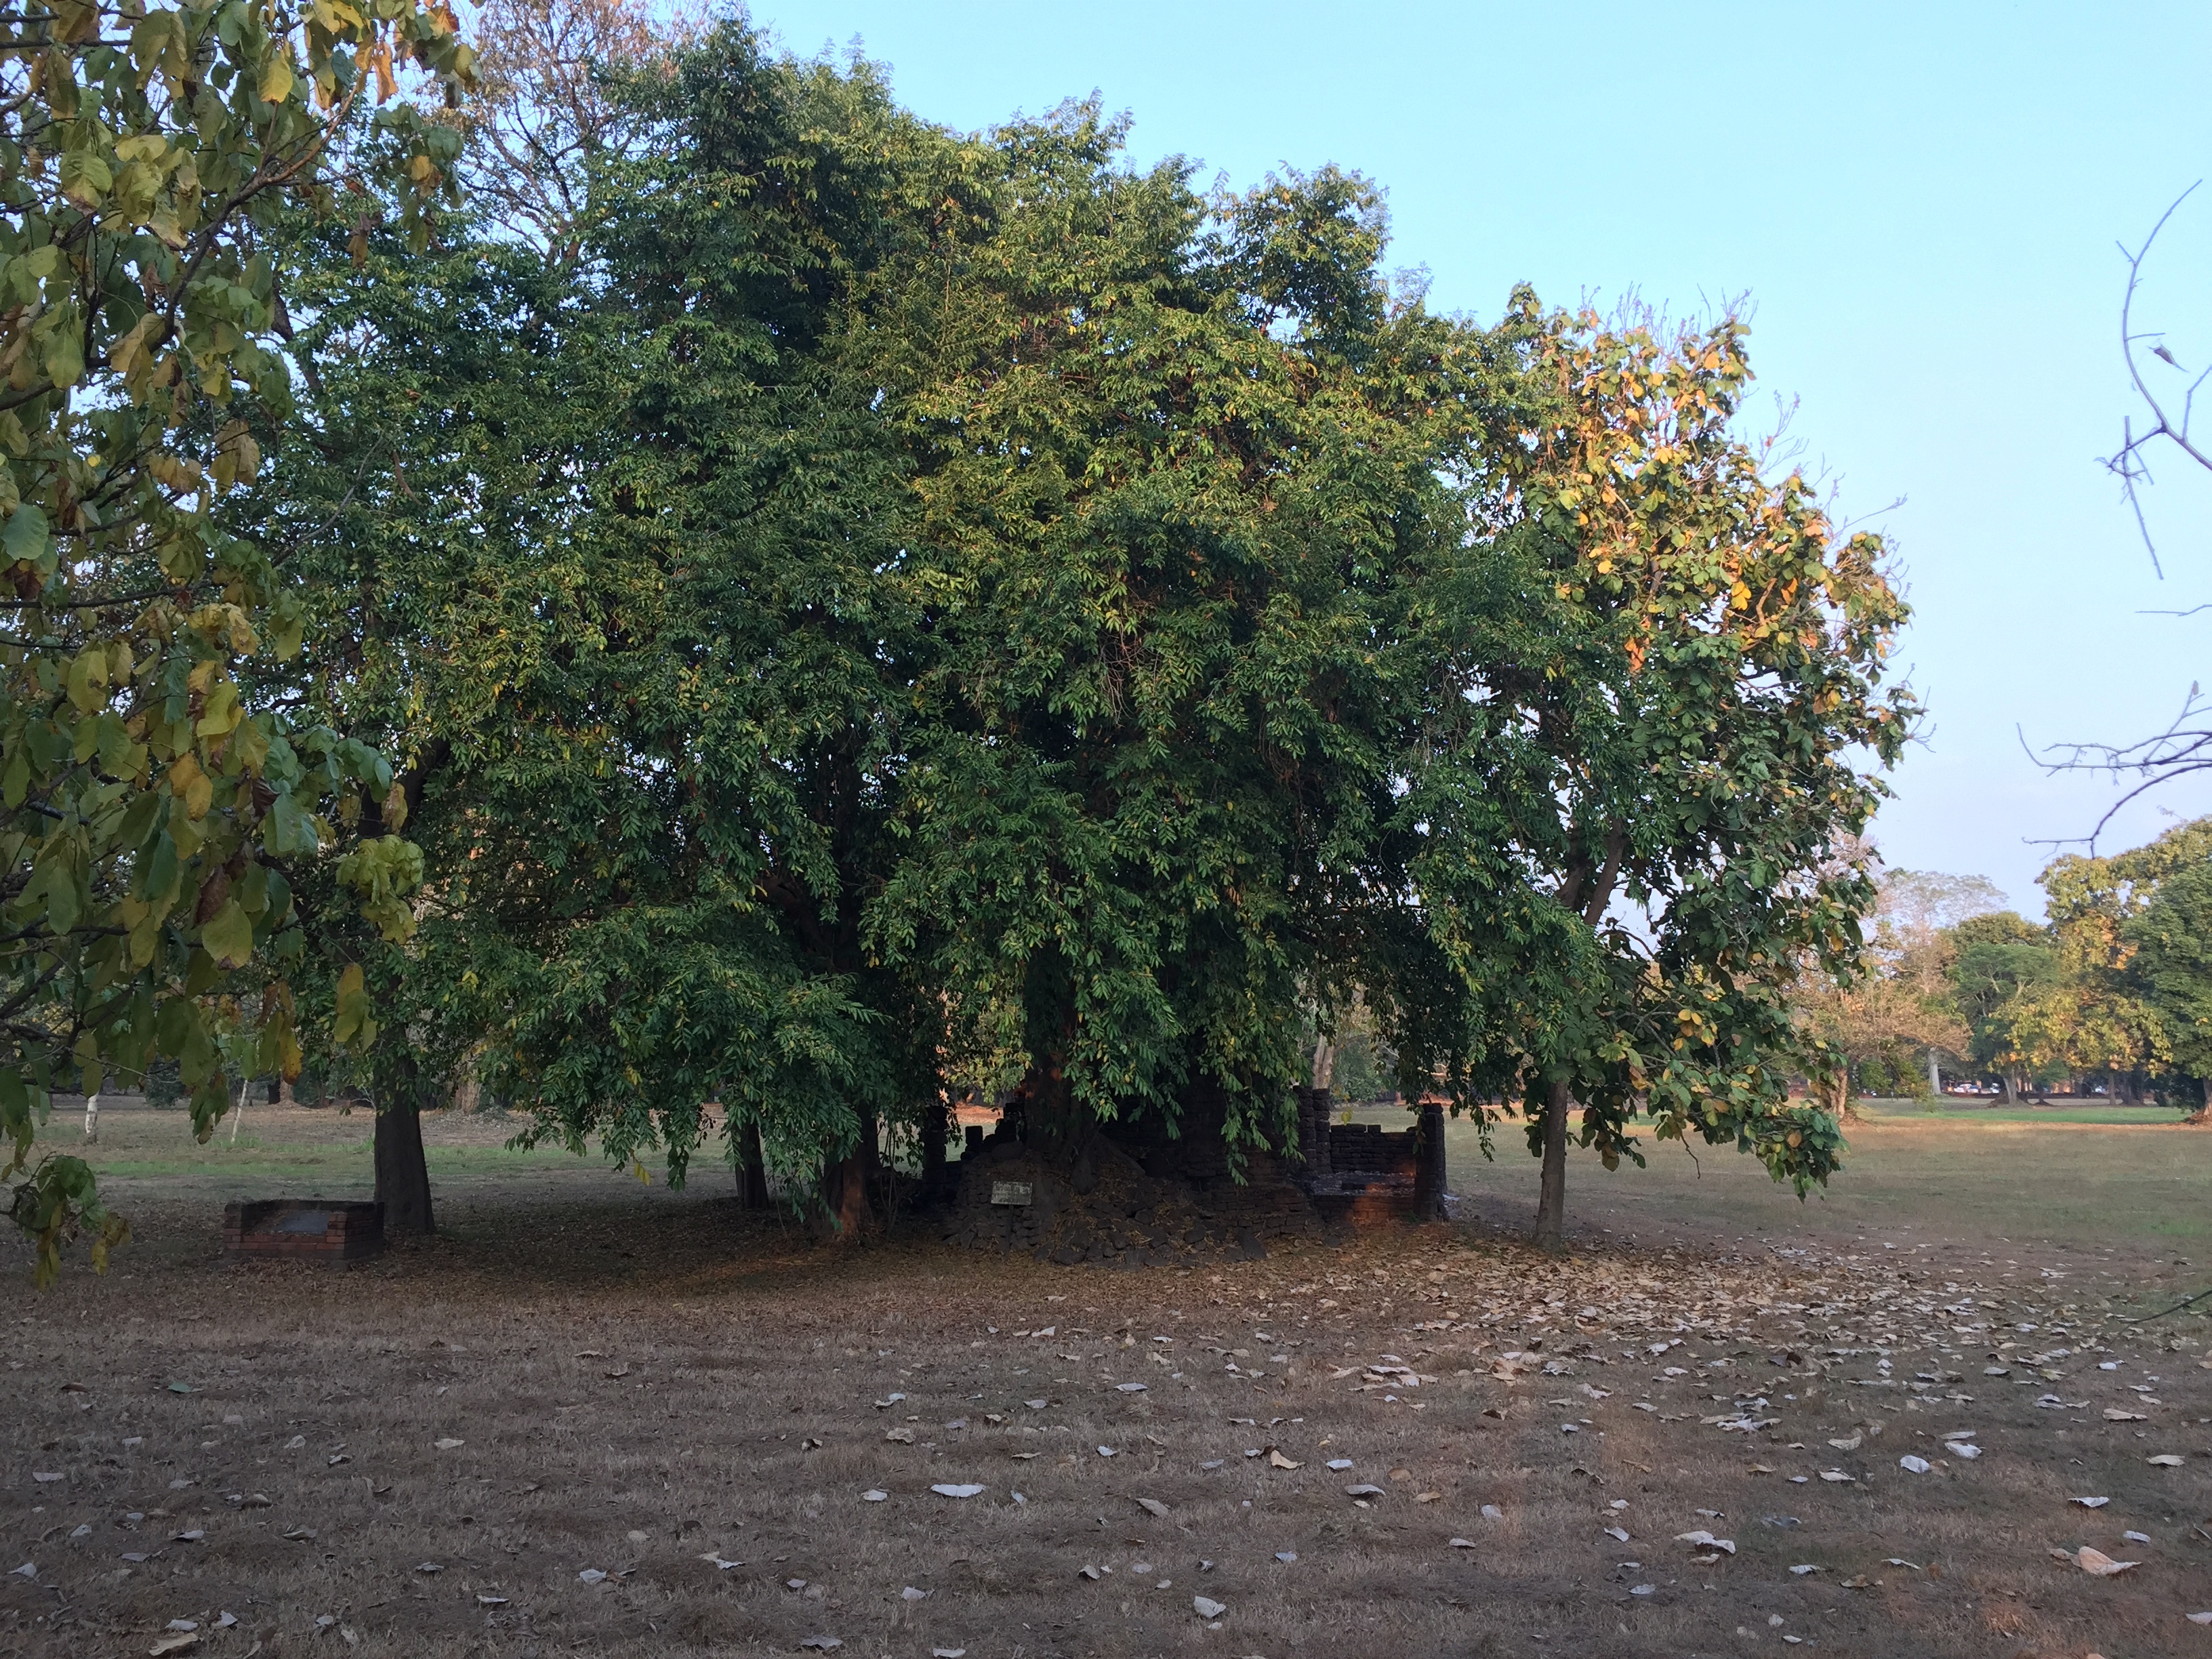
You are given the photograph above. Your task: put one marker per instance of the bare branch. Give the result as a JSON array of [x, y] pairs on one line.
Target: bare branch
[[2127, 463]]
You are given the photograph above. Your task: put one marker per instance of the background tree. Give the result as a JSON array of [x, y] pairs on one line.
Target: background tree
[[2171, 937], [1997, 961], [1894, 1012], [151, 808], [2091, 1016]]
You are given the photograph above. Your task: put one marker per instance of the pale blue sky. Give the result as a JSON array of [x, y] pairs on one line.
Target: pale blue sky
[[1922, 202]]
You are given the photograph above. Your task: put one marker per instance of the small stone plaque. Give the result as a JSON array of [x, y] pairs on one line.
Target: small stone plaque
[[1010, 1192]]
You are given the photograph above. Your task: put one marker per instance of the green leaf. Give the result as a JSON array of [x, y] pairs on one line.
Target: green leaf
[[228, 935], [26, 537]]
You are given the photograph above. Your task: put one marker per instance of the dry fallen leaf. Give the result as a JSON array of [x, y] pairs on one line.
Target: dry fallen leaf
[[1276, 1460], [1706, 1540], [2164, 1460], [1153, 1506], [2101, 1564], [969, 1489], [2090, 1503]]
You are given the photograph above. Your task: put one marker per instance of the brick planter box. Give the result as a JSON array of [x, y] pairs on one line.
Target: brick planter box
[[1361, 1175], [337, 1234]]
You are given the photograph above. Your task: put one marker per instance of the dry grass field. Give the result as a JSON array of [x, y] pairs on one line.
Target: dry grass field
[[598, 1416]]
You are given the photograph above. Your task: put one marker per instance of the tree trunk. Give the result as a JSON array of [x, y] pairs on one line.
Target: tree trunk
[[1429, 1166], [284, 1096], [936, 1126], [1056, 1128], [403, 1175], [92, 1115], [1846, 1111], [2011, 1090], [1324, 1064], [847, 1210], [1552, 1205], [1935, 1076], [752, 1167]]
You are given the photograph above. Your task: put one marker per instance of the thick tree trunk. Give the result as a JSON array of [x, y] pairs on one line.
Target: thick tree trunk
[[847, 1210], [936, 1126], [92, 1116], [1056, 1127], [1552, 1205], [752, 1168], [403, 1175], [2011, 1090], [1935, 1076]]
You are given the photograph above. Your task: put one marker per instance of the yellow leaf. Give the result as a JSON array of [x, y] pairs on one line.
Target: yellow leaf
[[277, 76], [191, 785]]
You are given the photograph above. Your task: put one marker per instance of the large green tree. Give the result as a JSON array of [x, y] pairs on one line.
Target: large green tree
[[1173, 455], [852, 602], [613, 567], [152, 809]]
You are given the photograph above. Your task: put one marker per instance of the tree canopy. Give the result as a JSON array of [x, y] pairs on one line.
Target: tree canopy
[[151, 803], [827, 608]]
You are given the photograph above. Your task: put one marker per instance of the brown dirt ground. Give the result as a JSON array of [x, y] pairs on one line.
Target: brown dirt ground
[[639, 1380]]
